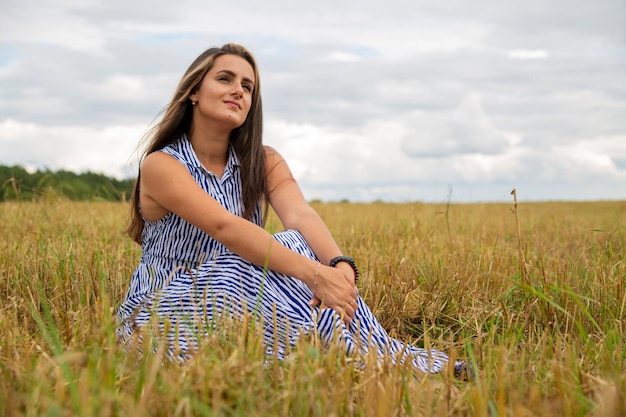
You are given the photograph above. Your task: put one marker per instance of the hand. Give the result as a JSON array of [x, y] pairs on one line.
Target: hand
[[344, 266], [336, 289]]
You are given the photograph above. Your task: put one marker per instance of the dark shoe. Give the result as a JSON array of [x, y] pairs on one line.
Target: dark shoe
[[464, 371]]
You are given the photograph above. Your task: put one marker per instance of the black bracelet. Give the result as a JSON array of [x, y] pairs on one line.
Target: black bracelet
[[347, 260]]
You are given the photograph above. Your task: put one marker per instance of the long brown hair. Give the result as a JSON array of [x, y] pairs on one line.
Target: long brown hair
[[246, 140]]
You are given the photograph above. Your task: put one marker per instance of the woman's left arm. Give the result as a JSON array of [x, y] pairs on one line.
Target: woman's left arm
[[294, 212]]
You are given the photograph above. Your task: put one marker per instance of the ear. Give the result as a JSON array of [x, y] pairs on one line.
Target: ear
[[193, 96]]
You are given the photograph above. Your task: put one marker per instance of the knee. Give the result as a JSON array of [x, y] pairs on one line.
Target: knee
[[295, 241]]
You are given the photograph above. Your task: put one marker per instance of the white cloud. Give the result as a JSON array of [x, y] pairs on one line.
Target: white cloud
[[131, 88], [339, 56], [57, 23], [111, 150], [465, 129], [365, 102], [595, 157], [528, 54]]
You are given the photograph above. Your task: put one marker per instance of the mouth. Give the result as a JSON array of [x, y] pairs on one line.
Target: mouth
[[233, 104]]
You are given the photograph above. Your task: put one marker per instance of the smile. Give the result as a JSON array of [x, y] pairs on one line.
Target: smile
[[233, 104]]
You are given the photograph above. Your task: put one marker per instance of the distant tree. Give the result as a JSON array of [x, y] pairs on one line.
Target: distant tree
[[18, 184]]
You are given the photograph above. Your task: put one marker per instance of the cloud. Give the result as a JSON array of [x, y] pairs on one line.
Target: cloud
[[599, 158], [527, 54], [52, 23], [365, 102], [465, 129], [339, 56], [111, 150]]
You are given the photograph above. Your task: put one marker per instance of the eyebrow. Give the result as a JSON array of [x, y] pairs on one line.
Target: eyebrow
[[232, 74]]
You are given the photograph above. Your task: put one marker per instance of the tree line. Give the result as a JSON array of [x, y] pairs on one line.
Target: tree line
[[17, 184]]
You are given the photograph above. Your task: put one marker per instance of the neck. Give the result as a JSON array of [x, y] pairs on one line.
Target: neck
[[211, 149]]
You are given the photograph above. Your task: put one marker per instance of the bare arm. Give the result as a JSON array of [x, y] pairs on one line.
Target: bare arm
[[295, 213], [166, 183]]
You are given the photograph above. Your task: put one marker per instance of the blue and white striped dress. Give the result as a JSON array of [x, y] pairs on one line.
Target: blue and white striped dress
[[189, 278]]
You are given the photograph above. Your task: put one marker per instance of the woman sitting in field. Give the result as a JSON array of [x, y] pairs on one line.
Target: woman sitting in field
[[198, 209]]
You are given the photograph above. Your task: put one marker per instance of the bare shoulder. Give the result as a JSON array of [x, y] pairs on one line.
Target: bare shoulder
[[286, 198], [276, 168], [158, 165], [154, 167], [163, 174], [158, 160], [272, 156], [167, 185]]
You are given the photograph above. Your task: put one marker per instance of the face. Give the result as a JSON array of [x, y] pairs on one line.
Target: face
[[225, 93]]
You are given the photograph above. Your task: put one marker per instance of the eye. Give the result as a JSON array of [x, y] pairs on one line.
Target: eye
[[247, 87], [224, 78]]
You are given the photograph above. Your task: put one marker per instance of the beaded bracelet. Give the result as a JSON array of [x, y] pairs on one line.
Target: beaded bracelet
[[317, 273], [349, 261]]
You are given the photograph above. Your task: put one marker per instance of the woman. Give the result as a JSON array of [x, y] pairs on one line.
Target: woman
[[197, 212]]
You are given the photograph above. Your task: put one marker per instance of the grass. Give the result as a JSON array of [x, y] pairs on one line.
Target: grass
[[534, 298]]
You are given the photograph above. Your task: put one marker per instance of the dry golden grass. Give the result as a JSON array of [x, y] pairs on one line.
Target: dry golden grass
[[545, 325]]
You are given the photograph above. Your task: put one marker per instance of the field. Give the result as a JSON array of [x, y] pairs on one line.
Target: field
[[534, 297]]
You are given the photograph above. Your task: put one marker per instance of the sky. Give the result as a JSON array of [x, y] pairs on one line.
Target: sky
[[399, 101]]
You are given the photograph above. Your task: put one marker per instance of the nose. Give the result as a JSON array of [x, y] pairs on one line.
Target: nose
[[238, 90]]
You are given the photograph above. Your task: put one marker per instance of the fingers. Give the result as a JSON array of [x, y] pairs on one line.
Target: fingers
[[342, 296], [350, 311], [351, 307], [315, 302], [347, 312]]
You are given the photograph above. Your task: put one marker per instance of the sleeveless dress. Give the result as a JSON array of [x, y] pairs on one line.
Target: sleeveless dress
[[190, 279]]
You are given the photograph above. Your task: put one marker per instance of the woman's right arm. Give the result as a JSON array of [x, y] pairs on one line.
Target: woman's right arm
[[166, 183]]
